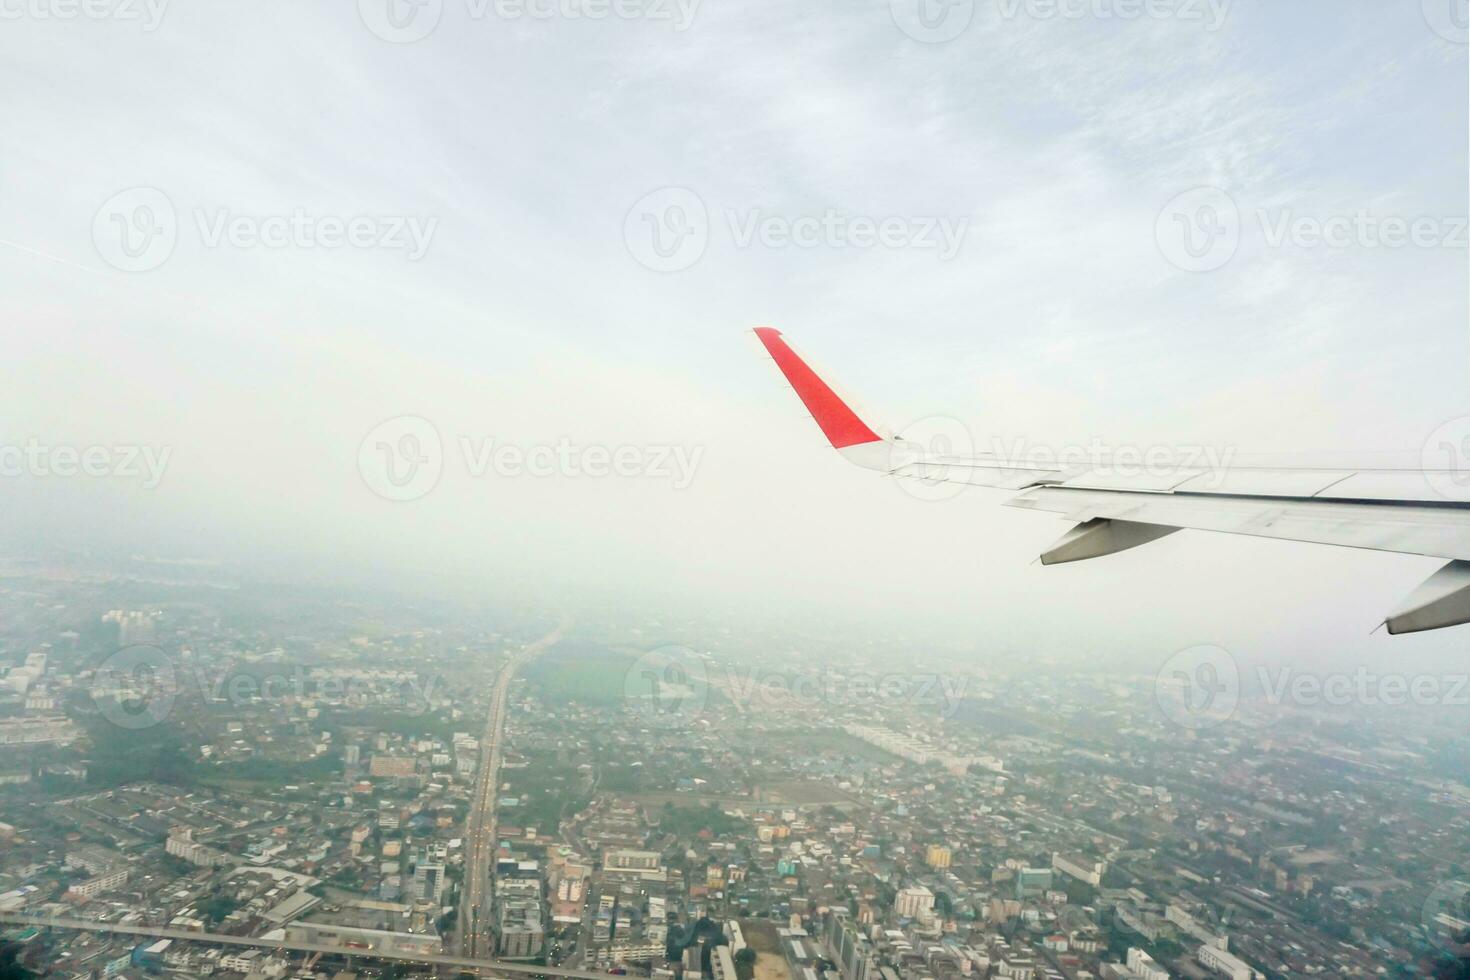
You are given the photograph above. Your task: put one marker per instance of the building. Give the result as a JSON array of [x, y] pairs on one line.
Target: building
[[181, 844], [1032, 882], [392, 766], [850, 949], [1226, 963], [1191, 926], [519, 927], [1083, 869], [96, 885], [428, 882], [627, 863], [914, 902], [721, 963], [1141, 966], [38, 730], [938, 856], [915, 751]]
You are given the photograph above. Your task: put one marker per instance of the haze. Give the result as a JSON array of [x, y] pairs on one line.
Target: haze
[[508, 157]]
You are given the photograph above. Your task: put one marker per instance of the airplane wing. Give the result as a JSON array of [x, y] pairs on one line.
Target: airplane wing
[[1117, 507]]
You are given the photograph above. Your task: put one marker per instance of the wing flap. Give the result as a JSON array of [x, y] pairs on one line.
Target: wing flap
[[1439, 532]]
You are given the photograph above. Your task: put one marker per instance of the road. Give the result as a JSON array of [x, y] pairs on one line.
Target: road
[[160, 932], [474, 907]]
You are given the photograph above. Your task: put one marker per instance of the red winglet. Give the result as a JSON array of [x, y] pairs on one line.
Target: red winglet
[[839, 423]]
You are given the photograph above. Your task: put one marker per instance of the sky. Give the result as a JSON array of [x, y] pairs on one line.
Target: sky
[[310, 280]]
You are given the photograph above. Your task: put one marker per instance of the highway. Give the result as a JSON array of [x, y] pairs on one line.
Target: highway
[[475, 903], [495, 967]]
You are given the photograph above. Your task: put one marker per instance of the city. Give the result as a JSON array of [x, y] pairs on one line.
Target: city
[[209, 782]]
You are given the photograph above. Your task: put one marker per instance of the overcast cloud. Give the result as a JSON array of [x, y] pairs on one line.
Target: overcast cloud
[[252, 234]]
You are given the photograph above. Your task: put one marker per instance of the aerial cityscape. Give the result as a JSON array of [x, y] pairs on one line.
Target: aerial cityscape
[[735, 490], [200, 780]]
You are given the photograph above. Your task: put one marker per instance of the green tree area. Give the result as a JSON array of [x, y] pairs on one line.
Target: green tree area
[[10, 969], [158, 753], [394, 722], [551, 793], [276, 772], [584, 673], [745, 964], [688, 821], [216, 907]]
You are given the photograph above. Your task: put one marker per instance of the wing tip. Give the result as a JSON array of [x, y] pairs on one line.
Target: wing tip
[[834, 414]]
